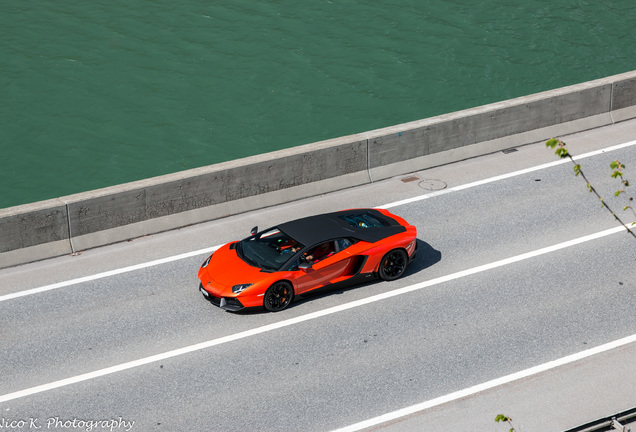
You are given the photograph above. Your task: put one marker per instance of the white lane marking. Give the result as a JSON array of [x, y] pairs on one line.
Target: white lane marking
[[303, 318], [487, 385], [507, 176], [107, 274], [386, 206]]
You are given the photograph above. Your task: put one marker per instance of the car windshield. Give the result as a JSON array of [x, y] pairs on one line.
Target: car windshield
[[268, 249]]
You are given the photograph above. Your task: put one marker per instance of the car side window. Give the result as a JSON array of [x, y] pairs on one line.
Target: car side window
[[343, 243], [321, 252], [294, 265]]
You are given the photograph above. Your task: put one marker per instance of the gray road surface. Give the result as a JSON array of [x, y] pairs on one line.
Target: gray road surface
[[341, 367]]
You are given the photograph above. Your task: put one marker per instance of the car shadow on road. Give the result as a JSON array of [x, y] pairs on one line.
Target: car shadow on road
[[427, 256]]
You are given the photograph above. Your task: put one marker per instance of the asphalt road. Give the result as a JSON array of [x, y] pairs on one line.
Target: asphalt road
[[464, 313]]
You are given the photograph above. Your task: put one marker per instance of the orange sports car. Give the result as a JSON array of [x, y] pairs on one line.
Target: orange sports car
[[271, 267]]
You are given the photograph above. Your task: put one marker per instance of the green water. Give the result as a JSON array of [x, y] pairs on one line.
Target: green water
[[104, 92]]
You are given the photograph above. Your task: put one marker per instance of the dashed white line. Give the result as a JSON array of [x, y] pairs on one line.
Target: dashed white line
[[303, 318]]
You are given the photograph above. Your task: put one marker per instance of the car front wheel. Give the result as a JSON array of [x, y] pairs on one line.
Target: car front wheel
[[278, 296], [393, 264]]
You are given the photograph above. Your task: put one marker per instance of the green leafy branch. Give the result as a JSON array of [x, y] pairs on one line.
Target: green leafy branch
[[618, 172], [505, 419], [562, 152]]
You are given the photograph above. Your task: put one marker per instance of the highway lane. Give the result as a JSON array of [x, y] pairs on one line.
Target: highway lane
[[349, 366], [344, 367]]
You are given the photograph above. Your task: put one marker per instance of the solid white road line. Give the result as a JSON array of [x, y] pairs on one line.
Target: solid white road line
[[507, 176], [386, 206], [107, 274], [303, 318], [486, 386]]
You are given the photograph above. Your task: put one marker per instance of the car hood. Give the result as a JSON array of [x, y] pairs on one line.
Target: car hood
[[226, 268]]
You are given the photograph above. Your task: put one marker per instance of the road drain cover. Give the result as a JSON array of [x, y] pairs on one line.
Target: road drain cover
[[432, 184]]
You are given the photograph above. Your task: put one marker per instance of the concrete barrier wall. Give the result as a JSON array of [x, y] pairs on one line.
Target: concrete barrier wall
[[499, 120], [206, 187], [33, 231], [624, 97], [81, 221]]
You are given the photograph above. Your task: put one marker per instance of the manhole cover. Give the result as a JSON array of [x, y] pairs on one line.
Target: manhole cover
[[432, 184]]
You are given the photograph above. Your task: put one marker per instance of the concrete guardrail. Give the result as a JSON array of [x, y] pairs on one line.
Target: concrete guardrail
[[81, 221]]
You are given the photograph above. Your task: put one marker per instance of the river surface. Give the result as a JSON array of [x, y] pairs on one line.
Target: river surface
[[102, 92]]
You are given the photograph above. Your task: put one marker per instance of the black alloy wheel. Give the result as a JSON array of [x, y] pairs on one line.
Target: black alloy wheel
[[278, 296], [393, 265]]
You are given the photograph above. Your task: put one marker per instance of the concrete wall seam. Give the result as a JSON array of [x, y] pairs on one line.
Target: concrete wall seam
[[70, 232], [369, 162]]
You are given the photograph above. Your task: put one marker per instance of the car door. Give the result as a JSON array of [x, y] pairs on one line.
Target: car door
[[329, 264]]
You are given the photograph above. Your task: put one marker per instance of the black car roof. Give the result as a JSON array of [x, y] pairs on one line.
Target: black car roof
[[314, 229]]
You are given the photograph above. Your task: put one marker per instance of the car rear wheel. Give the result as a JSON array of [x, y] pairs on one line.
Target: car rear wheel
[[393, 265], [278, 296]]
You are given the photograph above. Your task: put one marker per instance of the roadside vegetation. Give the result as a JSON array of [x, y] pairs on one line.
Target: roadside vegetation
[[501, 418], [617, 173]]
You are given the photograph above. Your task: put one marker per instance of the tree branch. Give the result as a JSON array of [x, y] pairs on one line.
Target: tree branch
[[563, 153]]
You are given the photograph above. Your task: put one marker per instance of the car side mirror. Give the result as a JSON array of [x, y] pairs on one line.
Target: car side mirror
[[304, 266], [254, 230]]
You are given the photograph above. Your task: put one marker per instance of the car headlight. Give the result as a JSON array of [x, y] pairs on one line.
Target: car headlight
[[240, 288], [206, 262]]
